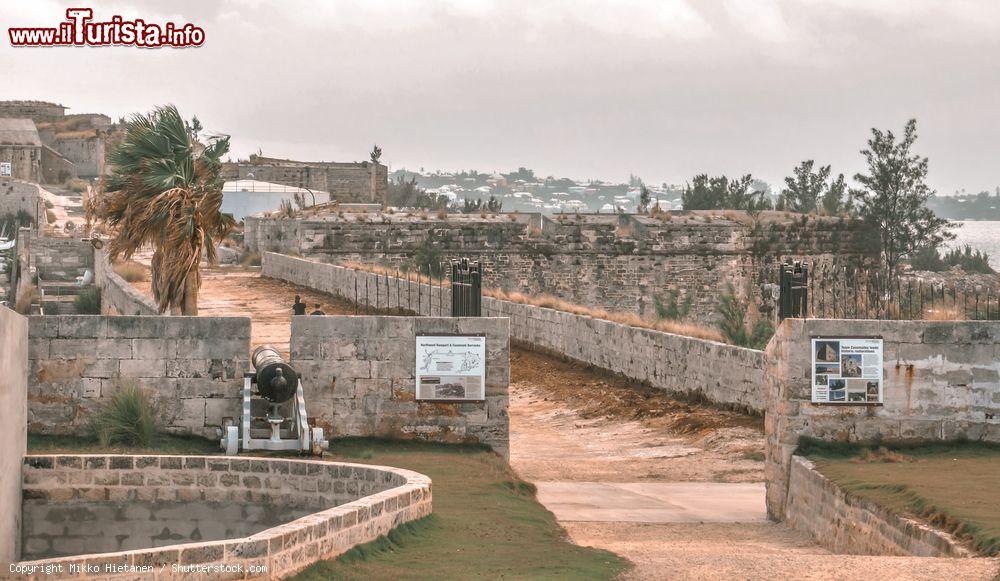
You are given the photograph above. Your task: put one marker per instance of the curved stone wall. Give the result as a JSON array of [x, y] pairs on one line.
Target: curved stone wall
[[345, 505]]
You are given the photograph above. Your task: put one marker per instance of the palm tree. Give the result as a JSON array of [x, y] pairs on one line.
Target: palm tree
[[166, 191]]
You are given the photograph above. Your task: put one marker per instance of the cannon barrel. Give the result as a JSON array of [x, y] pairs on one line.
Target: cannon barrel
[[276, 380]]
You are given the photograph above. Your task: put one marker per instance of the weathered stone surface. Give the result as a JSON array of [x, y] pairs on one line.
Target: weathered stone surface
[[611, 261], [361, 380], [212, 507], [846, 524], [941, 383], [192, 373], [14, 333], [724, 374]]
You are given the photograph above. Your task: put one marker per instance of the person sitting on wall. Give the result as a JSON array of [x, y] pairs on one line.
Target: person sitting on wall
[[318, 310], [299, 307]]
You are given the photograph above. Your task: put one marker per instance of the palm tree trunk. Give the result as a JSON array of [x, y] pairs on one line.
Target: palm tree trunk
[[190, 305]]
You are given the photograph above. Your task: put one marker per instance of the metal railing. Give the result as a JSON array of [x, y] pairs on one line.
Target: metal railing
[[872, 293], [466, 289]]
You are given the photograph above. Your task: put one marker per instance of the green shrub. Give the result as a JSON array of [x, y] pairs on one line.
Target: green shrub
[[127, 419], [10, 222], [88, 302], [966, 258], [49, 205], [50, 216], [427, 260], [734, 327], [672, 310]]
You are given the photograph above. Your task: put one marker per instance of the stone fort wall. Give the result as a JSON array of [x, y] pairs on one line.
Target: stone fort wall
[[941, 383], [13, 436], [358, 374], [619, 263], [192, 368], [346, 505], [347, 182], [724, 374]]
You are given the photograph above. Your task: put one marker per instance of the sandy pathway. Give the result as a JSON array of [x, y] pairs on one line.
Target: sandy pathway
[[579, 458]]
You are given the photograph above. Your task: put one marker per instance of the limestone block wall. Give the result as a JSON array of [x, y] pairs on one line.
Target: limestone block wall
[[25, 160], [118, 296], [347, 182], [359, 378], [13, 436], [58, 259], [327, 508], [86, 152], [942, 382], [55, 168], [192, 367], [721, 373], [614, 262], [17, 195], [845, 523]]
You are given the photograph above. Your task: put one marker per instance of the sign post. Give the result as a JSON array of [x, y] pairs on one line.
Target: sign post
[[451, 368], [847, 371]]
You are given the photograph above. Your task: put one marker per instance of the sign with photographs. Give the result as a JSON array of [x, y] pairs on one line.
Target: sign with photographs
[[451, 368], [847, 371]]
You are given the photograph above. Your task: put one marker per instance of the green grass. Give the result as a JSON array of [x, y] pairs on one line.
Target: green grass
[[486, 524], [162, 444], [88, 302], [953, 486]]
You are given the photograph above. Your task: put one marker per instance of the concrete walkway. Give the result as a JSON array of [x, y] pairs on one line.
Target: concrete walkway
[[683, 512], [654, 502]]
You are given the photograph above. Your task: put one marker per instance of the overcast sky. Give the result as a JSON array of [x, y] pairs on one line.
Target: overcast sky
[[663, 89]]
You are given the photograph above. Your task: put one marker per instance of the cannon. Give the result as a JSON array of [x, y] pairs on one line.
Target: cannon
[[275, 386]]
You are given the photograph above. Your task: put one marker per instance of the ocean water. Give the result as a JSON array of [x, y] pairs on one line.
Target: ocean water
[[981, 235]]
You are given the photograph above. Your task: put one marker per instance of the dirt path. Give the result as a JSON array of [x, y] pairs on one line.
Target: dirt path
[[572, 428], [586, 438], [236, 291]]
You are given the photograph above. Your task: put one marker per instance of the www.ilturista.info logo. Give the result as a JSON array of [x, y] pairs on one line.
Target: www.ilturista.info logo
[[79, 29]]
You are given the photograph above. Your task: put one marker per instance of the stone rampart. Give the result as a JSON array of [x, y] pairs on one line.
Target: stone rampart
[[619, 263], [13, 437], [358, 374], [192, 368], [330, 507], [845, 523], [723, 374], [118, 296], [941, 383]]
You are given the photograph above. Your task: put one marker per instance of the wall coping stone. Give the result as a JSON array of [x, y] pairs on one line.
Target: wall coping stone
[[284, 549]]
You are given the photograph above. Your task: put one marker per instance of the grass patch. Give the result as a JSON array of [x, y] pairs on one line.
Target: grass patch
[[128, 418], [486, 524], [88, 302], [486, 521], [161, 444], [132, 271], [951, 485]]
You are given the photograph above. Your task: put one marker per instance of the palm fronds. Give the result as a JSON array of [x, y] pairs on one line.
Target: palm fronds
[[166, 192]]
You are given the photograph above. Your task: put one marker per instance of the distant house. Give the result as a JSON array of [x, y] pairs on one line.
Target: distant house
[[20, 149]]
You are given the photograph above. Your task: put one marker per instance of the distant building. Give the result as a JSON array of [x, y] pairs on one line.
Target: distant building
[[34, 110], [350, 182], [20, 149], [71, 146]]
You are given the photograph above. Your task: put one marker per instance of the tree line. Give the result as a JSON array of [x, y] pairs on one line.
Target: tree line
[[891, 195]]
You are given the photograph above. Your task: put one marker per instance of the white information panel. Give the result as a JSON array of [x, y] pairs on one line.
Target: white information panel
[[847, 371], [451, 368], [5, 169]]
